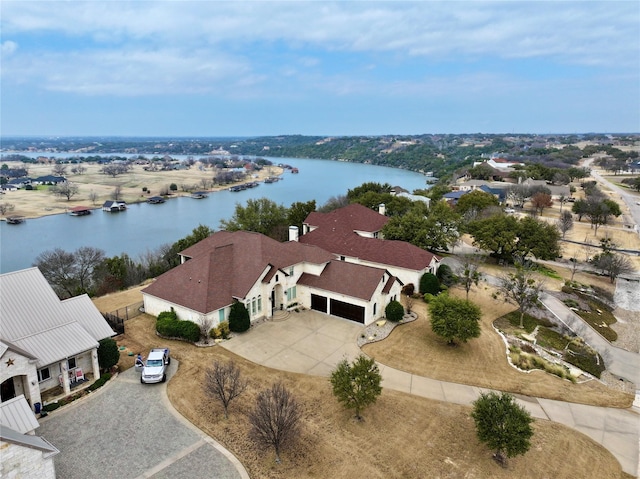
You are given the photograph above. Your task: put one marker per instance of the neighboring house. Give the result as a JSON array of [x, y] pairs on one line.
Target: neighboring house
[[113, 206], [9, 187], [23, 453], [267, 276], [45, 342], [20, 182], [49, 180], [453, 196], [353, 234], [556, 191]]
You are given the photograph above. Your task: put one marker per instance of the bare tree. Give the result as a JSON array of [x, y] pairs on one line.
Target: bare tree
[[574, 267], [205, 183], [117, 193], [522, 289], [66, 190], [78, 170], [87, 259], [59, 268], [613, 264], [223, 381], [468, 273], [6, 208], [59, 169], [115, 169], [93, 197], [205, 323], [565, 222], [275, 421]]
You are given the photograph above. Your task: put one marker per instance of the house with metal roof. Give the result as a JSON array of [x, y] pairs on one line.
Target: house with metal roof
[[268, 276], [44, 342]]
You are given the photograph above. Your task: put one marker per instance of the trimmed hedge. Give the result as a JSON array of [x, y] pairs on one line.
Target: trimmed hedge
[[429, 284], [239, 320], [175, 328]]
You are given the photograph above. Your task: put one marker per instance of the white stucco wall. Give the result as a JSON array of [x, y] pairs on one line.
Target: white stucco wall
[[25, 463]]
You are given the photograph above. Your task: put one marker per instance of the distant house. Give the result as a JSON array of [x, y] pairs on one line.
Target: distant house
[[23, 453], [156, 200], [20, 182], [453, 196], [113, 206], [49, 180], [45, 342], [556, 191], [9, 187]]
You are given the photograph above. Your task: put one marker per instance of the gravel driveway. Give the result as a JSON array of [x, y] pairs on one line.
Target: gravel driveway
[[127, 429]]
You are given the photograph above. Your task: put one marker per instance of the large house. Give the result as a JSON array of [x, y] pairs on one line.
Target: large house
[[354, 234], [268, 276], [45, 342]]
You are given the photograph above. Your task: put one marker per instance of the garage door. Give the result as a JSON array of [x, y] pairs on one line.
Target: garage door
[[319, 303], [347, 311]]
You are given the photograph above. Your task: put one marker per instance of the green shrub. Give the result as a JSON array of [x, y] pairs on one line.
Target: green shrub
[[394, 311], [223, 329], [428, 298], [51, 407], [173, 187], [445, 275], [570, 303], [429, 284], [168, 315], [108, 353], [100, 382], [188, 330], [168, 325], [567, 289], [239, 320]]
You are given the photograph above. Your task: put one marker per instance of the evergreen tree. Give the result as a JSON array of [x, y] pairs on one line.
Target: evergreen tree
[[356, 385]]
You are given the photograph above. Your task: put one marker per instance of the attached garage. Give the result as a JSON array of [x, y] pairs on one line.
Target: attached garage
[[319, 303], [347, 311]]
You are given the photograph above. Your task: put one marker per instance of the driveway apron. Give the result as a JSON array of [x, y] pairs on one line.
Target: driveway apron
[[128, 429]]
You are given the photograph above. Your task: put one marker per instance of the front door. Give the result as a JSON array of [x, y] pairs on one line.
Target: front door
[[7, 390]]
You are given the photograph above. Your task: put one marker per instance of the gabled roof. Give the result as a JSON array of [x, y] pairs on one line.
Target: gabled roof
[[26, 440], [353, 217], [384, 252], [36, 321], [340, 277], [17, 414], [226, 265]]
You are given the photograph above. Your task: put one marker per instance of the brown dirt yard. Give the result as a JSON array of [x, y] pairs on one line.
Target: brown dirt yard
[[40, 202], [401, 435]]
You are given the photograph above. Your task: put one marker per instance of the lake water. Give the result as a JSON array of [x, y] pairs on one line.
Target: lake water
[[144, 227]]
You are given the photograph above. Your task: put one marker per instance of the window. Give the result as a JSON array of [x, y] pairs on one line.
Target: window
[[375, 235], [291, 271], [221, 315], [71, 363], [291, 293], [43, 374], [342, 258], [276, 278], [259, 304], [253, 306], [375, 307]]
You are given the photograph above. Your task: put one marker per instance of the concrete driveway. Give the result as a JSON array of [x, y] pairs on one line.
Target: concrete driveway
[[130, 430], [307, 342]]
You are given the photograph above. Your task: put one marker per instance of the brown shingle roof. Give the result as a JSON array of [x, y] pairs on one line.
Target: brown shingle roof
[[385, 252], [226, 265], [353, 217], [351, 279]]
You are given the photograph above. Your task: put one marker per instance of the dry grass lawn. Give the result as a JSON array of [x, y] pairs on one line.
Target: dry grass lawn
[[482, 362], [402, 436]]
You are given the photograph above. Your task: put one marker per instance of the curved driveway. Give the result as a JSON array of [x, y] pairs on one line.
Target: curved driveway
[[130, 430], [313, 343]]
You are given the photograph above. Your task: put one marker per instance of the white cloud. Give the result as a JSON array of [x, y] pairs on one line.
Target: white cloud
[[9, 47], [577, 32]]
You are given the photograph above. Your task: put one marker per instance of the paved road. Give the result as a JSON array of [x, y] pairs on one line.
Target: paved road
[[313, 343], [129, 430]]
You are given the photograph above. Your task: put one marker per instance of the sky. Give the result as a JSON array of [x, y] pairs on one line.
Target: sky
[[210, 68]]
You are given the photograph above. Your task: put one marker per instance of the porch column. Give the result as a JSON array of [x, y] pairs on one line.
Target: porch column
[[95, 365], [66, 385]]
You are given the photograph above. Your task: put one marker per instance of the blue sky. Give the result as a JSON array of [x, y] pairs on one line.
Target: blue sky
[[209, 68]]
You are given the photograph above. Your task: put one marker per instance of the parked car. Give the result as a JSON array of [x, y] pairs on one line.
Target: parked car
[[509, 210], [155, 368]]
